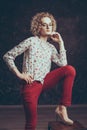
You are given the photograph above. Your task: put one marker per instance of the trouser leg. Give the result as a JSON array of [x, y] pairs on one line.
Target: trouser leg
[[67, 73], [30, 95]]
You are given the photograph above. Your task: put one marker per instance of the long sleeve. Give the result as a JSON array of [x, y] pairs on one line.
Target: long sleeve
[[10, 56], [59, 58]]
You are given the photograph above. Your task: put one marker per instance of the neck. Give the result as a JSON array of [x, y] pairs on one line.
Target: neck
[[44, 39]]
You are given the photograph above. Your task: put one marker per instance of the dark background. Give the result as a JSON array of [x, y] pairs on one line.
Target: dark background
[[71, 16]]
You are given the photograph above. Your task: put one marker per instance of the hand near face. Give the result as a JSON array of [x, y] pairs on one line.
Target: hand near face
[[56, 37]]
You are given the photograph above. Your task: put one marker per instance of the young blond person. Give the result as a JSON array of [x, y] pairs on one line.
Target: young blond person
[[36, 76]]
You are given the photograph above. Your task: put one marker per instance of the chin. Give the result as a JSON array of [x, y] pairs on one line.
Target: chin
[[48, 34]]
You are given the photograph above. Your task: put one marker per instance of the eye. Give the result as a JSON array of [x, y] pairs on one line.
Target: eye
[[44, 25], [50, 24]]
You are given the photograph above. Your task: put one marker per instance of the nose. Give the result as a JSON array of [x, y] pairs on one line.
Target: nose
[[47, 26]]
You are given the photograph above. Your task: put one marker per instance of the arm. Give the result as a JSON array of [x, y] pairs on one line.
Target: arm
[[10, 56], [59, 58]]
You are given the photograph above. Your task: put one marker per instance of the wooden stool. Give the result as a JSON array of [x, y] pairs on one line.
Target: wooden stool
[[58, 125]]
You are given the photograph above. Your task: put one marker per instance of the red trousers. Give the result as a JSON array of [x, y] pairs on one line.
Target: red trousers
[[31, 92]]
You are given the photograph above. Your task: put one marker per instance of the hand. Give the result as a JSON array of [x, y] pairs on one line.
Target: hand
[[26, 77], [56, 37]]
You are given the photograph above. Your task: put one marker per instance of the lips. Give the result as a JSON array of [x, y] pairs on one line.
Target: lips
[[48, 30]]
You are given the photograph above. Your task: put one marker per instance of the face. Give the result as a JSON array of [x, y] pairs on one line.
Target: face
[[46, 26]]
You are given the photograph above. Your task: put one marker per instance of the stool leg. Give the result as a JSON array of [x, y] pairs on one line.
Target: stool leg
[[49, 128], [57, 118]]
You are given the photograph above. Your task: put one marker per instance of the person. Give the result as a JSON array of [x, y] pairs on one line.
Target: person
[[36, 75]]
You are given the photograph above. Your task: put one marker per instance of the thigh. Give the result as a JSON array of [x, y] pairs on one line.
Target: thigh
[[30, 94], [53, 77]]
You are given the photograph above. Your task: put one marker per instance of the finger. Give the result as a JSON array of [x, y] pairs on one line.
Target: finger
[[54, 33], [27, 80], [31, 76], [55, 36], [30, 80]]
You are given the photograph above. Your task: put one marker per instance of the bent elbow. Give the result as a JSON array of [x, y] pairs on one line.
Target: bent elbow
[[64, 63], [4, 57]]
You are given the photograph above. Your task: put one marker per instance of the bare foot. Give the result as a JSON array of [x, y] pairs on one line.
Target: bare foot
[[62, 112]]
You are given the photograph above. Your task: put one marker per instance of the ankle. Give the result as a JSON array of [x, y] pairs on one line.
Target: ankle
[[62, 107]]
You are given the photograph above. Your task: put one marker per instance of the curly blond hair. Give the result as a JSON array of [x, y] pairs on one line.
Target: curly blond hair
[[36, 22]]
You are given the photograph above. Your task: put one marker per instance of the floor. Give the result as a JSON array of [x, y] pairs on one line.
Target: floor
[[12, 117]]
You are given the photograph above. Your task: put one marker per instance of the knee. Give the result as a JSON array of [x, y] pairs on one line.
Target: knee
[[71, 70]]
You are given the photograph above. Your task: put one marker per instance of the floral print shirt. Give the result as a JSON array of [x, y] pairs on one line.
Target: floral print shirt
[[37, 58]]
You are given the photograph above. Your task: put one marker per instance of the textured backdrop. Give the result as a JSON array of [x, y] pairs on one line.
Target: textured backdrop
[[71, 17]]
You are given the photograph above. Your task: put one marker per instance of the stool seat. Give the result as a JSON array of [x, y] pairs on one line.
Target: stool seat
[[58, 125]]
